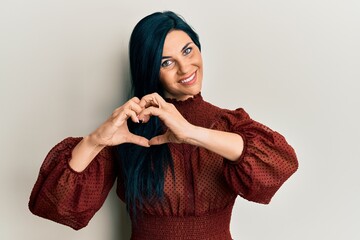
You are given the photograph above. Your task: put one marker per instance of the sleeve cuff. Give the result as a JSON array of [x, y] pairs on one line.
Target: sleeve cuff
[[237, 161]]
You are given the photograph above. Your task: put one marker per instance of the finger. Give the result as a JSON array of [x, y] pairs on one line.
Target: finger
[[130, 102], [138, 140], [135, 99], [134, 103], [148, 101], [153, 99], [134, 107], [144, 119], [124, 115], [158, 140], [150, 111]]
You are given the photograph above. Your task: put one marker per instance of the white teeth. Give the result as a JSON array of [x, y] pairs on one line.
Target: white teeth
[[188, 79]]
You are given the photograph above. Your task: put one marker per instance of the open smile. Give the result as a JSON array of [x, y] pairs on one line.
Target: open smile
[[189, 80]]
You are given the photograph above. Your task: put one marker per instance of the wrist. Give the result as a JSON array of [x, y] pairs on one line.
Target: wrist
[[83, 153], [196, 135], [92, 140]]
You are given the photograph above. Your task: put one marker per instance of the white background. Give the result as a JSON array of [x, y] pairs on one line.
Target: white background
[[293, 65]]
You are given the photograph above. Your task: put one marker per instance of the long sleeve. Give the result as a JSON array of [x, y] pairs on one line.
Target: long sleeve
[[66, 196], [266, 163]]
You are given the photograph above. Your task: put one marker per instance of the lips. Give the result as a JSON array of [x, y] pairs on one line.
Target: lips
[[189, 80]]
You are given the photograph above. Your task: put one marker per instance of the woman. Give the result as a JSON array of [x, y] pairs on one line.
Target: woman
[[179, 161]]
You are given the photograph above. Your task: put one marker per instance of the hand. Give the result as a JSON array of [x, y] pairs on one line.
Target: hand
[[115, 131], [179, 128]]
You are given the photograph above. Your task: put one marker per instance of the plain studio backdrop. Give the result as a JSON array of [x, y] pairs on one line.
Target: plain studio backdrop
[[293, 65]]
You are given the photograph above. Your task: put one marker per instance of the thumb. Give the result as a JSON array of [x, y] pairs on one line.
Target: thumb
[[158, 140], [138, 140]]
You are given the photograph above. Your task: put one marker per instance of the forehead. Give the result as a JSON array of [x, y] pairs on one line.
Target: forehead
[[175, 40]]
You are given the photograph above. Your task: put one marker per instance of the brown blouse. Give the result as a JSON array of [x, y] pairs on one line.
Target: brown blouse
[[198, 204]]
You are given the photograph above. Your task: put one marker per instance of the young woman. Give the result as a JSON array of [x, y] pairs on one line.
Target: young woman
[[180, 162]]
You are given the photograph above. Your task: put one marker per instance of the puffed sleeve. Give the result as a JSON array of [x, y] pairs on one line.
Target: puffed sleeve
[[69, 197], [266, 163]]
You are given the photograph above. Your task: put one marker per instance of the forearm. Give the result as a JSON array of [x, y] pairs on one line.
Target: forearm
[[229, 145], [83, 153]]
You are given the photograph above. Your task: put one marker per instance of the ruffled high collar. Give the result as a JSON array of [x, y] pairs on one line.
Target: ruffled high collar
[[187, 102], [196, 110]]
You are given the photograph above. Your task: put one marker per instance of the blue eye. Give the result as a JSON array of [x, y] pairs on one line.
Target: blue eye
[[166, 63], [187, 51]]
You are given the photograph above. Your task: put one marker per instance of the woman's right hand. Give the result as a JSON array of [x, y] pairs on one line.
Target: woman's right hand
[[115, 131]]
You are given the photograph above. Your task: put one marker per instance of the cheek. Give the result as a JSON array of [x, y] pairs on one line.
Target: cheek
[[198, 60], [166, 78]]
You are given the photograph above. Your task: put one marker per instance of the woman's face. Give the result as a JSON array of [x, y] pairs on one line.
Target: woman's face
[[181, 69]]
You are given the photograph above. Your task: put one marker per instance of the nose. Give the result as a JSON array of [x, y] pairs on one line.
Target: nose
[[183, 67]]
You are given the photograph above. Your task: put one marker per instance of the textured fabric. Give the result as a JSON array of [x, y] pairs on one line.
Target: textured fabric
[[69, 197], [205, 185], [207, 226]]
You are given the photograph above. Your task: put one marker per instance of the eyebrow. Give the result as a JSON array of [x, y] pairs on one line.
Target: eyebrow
[[186, 45]]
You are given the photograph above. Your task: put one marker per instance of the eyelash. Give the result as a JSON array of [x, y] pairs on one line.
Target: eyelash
[[167, 63], [186, 51]]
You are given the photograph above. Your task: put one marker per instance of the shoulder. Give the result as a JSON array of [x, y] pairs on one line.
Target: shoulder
[[226, 117]]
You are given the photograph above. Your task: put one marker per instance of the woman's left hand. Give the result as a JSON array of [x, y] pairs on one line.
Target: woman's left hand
[[179, 128]]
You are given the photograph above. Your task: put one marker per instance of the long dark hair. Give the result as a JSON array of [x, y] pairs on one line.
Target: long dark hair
[[144, 169]]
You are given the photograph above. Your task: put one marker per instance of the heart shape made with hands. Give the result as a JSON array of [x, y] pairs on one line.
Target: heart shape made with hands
[[115, 130], [155, 105]]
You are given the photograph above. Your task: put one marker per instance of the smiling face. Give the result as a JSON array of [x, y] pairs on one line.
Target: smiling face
[[181, 69]]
